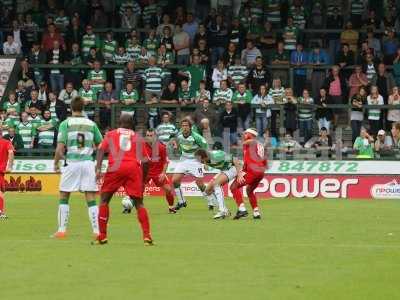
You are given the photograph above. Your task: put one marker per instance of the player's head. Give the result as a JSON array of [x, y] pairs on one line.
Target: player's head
[[201, 155], [77, 105], [186, 126], [218, 146], [150, 135], [250, 133], [126, 121]]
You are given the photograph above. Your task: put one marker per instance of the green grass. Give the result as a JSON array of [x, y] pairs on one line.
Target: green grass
[[301, 249]]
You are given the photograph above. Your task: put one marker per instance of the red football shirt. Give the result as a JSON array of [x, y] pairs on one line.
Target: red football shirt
[[124, 148], [254, 160], [157, 158], [5, 146]]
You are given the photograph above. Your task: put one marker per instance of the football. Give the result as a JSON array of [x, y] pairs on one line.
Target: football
[[127, 203]]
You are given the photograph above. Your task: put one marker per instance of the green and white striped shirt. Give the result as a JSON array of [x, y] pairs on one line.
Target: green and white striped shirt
[[374, 114], [96, 75], [238, 73], [88, 41], [108, 49], [305, 113], [46, 138], [153, 77], [120, 60], [223, 96], [189, 145], [79, 135], [128, 96], [133, 51], [357, 7], [151, 45], [88, 96], [35, 121], [277, 95], [27, 132], [164, 132], [148, 12]]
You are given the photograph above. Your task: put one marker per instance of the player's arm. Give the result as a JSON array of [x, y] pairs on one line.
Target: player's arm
[[10, 162], [200, 141], [101, 151], [165, 161], [60, 149]]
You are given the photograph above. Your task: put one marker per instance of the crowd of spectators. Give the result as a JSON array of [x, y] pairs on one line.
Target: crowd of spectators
[[213, 60]]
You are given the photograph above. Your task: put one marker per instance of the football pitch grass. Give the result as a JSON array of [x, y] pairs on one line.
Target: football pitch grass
[[301, 249]]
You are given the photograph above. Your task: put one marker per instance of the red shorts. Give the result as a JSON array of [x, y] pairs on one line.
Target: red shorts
[[157, 181], [2, 183], [129, 177], [252, 179]]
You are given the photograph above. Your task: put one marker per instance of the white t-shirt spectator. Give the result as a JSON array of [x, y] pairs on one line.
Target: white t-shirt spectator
[[219, 75], [11, 49]]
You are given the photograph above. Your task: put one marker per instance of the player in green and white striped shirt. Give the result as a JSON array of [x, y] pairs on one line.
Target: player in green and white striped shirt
[[46, 131], [26, 130], [165, 130], [77, 137], [128, 97], [88, 96]]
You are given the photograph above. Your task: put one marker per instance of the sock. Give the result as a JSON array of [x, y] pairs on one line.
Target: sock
[[253, 200], [63, 215], [242, 207], [170, 198], [143, 219], [179, 195], [237, 195], [219, 194], [1, 204], [104, 212], [211, 199], [93, 212]]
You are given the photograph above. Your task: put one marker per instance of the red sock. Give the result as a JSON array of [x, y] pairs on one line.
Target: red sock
[[143, 219], [2, 203], [170, 198], [237, 195], [252, 199], [103, 220]]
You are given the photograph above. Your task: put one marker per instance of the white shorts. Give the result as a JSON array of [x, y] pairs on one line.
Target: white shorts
[[78, 176], [190, 167], [231, 173]]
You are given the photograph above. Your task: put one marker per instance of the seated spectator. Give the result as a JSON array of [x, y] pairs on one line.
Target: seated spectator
[[15, 138], [393, 114], [12, 105], [166, 129], [127, 98], [322, 142], [66, 95], [34, 102], [357, 80], [43, 91], [11, 47], [50, 37], [384, 81], [170, 94], [89, 98], [223, 94], [26, 130], [185, 94], [288, 144], [219, 73], [363, 144], [242, 98], [229, 122], [269, 141], [290, 108], [395, 131], [305, 115], [262, 114], [89, 40], [152, 112], [323, 114], [202, 93], [237, 73], [35, 117], [107, 98], [93, 56], [249, 54], [374, 114], [230, 55], [58, 109], [97, 77], [144, 57], [383, 144], [205, 119], [46, 131], [350, 36], [345, 58], [258, 75]]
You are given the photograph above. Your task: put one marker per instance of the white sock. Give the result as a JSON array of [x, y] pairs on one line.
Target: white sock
[[179, 195], [219, 194], [242, 207], [93, 212], [63, 217], [211, 199]]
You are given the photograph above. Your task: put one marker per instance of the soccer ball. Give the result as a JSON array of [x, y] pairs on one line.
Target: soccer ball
[[127, 203]]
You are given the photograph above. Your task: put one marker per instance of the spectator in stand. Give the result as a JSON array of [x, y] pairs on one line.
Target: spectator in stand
[[205, 119], [14, 138], [357, 80], [396, 135], [230, 55], [167, 39], [220, 73], [152, 77], [26, 74], [120, 58], [237, 73], [201, 34], [89, 40], [370, 67], [190, 27], [170, 94], [12, 104], [229, 122], [56, 56], [277, 93], [74, 32], [218, 38], [242, 98], [375, 114], [297, 11], [298, 59], [150, 13], [290, 107], [108, 47], [181, 42], [107, 98], [280, 57], [202, 93], [345, 58], [195, 73], [50, 37], [383, 144], [152, 43], [322, 142], [396, 67], [61, 21], [11, 47], [393, 114], [223, 94], [27, 131], [74, 58], [258, 75], [43, 91], [373, 21], [152, 112], [128, 19], [34, 102], [268, 39], [237, 33], [262, 114], [166, 129], [390, 46], [37, 56], [166, 23], [357, 115], [66, 95], [357, 11], [94, 55], [250, 54], [204, 52], [58, 109], [336, 86], [31, 29], [305, 115], [185, 94], [373, 42], [127, 98], [350, 36], [363, 144], [384, 81], [46, 131], [317, 58], [290, 35], [97, 77], [323, 114], [89, 98], [288, 144]]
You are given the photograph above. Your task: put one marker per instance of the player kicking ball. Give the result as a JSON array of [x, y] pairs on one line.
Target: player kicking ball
[[188, 142], [228, 167], [254, 166], [6, 163], [77, 136], [126, 161]]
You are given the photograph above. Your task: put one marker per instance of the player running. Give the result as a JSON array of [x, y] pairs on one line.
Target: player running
[[6, 164], [254, 166], [77, 137], [228, 167], [188, 142], [125, 153]]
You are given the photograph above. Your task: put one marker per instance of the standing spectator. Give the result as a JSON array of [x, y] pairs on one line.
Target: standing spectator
[[223, 94], [66, 95], [127, 98], [94, 55], [290, 35], [375, 115], [357, 80], [373, 42], [120, 58], [299, 58], [31, 30], [305, 114], [336, 86], [230, 55], [290, 107], [201, 34], [277, 93], [218, 38], [249, 54], [50, 36], [263, 114], [152, 78], [363, 144], [268, 39], [280, 57], [166, 23], [58, 109], [56, 56], [258, 75], [150, 13], [12, 105], [237, 73], [89, 98], [243, 97], [390, 46], [170, 94], [167, 40], [107, 98], [190, 27], [273, 12], [75, 32], [219, 73], [15, 138], [345, 58], [11, 47], [164, 59], [237, 33], [97, 77], [89, 40], [151, 43], [384, 81], [202, 93], [357, 10], [229, 122], [317, 58], [323, 115], [370, 68], [108, 47], [166, 129], [43, 91], [205, 119], [26, 130], [396, 67], [195, 73], [358, 100], [134, 7], [350, 36], [128, 19], [298, 14], [74, 58], [393, 114], [181, 42], [61, 21], [46, 131], [37, 56]]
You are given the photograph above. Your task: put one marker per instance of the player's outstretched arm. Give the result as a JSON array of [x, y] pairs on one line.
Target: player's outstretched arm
[[10, 162]]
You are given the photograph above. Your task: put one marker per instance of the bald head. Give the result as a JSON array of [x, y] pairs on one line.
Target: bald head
[[126, 121]]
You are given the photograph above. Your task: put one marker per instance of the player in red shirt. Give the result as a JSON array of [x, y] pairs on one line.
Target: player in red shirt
[[126, 161], [254, 166], [6, 163], [157, 167]]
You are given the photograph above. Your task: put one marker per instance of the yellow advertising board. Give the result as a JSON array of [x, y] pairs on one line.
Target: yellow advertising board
[[46, 184]]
